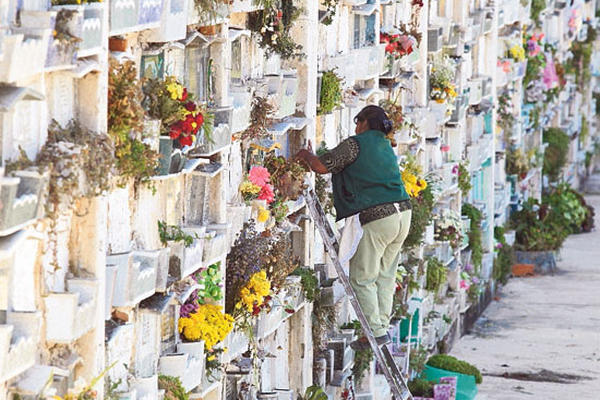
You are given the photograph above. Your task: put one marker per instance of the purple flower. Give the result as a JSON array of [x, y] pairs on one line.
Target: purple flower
[[455, 169], [475, 280], [469, 268], [499, 246]]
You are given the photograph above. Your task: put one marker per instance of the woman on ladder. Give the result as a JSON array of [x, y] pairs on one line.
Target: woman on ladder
[[367, 182]]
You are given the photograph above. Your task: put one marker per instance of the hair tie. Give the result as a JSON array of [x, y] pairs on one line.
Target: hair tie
[[388, 125]]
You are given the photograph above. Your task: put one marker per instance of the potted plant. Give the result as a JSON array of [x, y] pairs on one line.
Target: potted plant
[[443, 365], [540, 231]]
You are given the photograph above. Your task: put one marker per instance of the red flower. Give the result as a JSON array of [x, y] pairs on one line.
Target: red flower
[[266, 193], [199, 119], [186, 140], [190, 106], [184, 95], [390, 48], [289, 310]]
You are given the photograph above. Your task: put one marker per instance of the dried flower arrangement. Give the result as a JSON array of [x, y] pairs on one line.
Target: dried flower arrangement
[[135, 159], [272, 26]]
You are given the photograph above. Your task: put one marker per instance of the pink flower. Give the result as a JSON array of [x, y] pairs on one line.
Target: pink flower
[[464, 285], [455, 169], [259, 175], [445, 148], [266, 193]]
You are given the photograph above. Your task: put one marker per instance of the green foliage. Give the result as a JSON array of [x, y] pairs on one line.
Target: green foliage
[[449, 363], [362, 358], [173, 388], [535, 66], [475, 241], [579, 64], [272, 26], [331, 92], [362, 362], [537, 227], [135, 159], [175, 234], [418, 357], [309, 281], [330, 11], [585, 130], [537, 6], [210, 283], [505, 257], [464, 179], [314, 393], [421, 387], [422, 214], [555, 155], [570, 212], [436, 275], [517, 163]]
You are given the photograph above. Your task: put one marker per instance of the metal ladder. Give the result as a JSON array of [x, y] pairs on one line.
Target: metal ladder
[[382, 354]]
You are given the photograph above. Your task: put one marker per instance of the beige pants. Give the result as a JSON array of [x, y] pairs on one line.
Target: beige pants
[[373, 268]]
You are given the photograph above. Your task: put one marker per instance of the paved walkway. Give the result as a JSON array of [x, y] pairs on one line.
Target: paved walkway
[[541, 339]]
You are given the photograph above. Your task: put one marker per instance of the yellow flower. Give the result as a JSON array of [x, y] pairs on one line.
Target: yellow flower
[[208, 323], [263, 214], [255, 291], [210, 358], [412, 184], [249, 188], [174, 88]]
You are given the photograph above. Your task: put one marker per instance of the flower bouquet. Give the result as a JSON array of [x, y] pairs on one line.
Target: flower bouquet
[[448, 226], [182, 117], [256, 186], [398, 44], [207, 323], [441, 81]]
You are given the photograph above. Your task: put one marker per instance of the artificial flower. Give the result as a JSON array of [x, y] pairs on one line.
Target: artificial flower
[[263, 214], [267, 194], [259, 175]]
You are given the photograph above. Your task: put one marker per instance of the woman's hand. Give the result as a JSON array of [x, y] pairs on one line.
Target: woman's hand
[[311, 160]]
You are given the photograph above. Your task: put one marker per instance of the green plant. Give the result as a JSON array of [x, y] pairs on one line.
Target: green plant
[[517, 163], [596, 96], [314, 393], [362, 358], [449, 363], [418, 357], [585, 131], [174, 233], [579, 64], [272, 25], [309, 281], [475, 242], [464, 178], [135, 159], [537, 6], [555, 155], [210, 283], [436, 275], [422, 214], [421, 387], [570, 212], [331, 92], [537, 227], [173, 388]]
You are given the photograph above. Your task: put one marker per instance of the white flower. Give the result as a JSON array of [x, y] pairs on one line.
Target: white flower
[[263, 29]]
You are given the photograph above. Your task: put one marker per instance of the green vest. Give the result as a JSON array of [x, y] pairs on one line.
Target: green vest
[[372, 179]]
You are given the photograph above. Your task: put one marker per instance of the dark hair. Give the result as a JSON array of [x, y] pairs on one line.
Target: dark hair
[[377, 120]]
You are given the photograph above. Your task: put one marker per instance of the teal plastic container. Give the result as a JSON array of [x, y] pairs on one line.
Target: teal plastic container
[[466, 388], [415, 327]]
